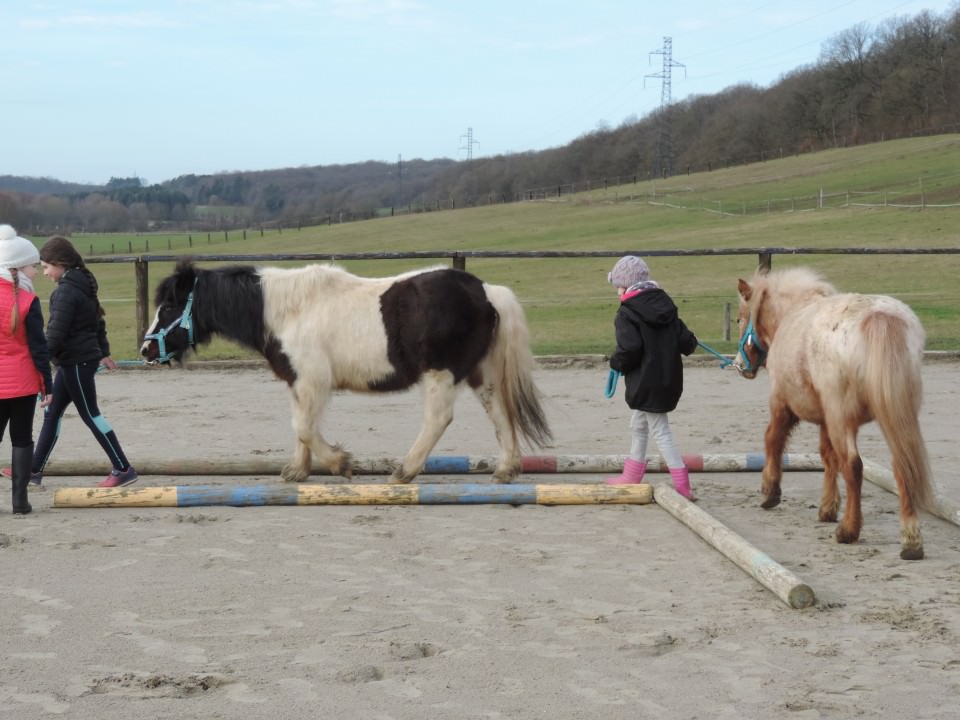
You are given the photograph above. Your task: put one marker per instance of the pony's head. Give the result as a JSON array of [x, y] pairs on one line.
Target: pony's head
[[751, 352], [763, 303], [172, 333]]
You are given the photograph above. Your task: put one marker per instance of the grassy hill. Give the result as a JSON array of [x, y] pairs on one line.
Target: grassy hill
[[911, 189]]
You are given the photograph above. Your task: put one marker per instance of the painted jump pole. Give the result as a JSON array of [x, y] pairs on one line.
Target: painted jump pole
[[446, 465], [940, 506], [354, 494], [765, 570]]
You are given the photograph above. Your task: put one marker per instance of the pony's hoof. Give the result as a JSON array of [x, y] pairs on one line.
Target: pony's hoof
[[398, 478], [504, 478], [771, 502], [846, 537], [291, 473], [911, 553], [342, 464]]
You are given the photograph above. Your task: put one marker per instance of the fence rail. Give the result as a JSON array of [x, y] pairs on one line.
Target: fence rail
[[458, 258]]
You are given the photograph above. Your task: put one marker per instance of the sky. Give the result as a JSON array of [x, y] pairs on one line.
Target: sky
[[94, 89]]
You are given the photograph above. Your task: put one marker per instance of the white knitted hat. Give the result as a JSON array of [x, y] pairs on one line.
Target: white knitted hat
[[16, 251]]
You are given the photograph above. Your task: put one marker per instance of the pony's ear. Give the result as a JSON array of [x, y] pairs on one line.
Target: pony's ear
[[743, 287]]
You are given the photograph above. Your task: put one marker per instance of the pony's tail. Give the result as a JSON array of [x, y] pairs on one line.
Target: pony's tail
[[893, 372], [512, 359]]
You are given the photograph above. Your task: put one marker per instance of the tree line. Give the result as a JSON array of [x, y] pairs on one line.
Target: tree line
[[898, 79]]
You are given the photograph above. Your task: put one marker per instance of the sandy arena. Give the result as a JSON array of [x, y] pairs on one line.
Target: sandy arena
[[468, 612]]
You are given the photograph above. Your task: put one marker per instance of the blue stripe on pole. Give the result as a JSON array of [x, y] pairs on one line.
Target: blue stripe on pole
[[447, 464], [477, 494], [755, 461], [202, 495]]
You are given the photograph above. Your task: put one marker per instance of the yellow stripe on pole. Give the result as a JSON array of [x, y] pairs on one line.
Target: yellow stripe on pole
[[600, 494], [378, 494], [116, 497]]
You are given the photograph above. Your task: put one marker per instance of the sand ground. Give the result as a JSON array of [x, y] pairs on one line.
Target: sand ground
[[479, 611]]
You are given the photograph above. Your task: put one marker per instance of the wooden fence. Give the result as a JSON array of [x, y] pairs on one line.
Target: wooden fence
[[458, 259]]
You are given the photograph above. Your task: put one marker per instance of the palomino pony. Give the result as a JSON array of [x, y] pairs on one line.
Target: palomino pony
[[321, 329], [838, 360]]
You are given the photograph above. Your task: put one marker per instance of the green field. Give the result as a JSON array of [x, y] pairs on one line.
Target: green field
[[568, 302]]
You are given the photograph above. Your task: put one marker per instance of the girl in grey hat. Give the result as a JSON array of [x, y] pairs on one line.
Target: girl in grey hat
[[650, 339]]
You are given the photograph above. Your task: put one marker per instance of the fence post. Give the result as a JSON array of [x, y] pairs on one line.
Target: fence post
[[141, 272], [764, 262], [459, 262]]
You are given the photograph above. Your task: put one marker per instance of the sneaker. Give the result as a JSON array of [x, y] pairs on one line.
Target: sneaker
[[119, 478], [35, 477]]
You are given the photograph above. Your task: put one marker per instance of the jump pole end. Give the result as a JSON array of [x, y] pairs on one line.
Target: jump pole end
[[764, 569]]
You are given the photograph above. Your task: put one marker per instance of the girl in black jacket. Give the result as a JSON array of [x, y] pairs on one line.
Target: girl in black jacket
[[77, 339], [650, 339]]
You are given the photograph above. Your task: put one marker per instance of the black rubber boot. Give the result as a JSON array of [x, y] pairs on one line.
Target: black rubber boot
[[20, 470]]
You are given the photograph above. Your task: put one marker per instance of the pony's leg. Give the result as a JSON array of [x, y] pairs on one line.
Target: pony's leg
[[782, 422], [306, 404], [830, 499], [844, 441], [911, 540], [509, 463], [439, 394]]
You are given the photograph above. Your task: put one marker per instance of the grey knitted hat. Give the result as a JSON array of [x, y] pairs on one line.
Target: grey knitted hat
[[628, 271]]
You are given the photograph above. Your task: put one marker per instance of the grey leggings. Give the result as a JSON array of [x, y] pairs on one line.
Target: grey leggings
[[642, 425]]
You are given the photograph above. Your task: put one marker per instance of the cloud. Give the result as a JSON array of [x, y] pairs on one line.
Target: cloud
[[101, 21]]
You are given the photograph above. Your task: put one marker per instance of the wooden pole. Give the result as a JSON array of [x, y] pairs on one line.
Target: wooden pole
[[446, 465], [768, 572], [942, 507], [354, 494]]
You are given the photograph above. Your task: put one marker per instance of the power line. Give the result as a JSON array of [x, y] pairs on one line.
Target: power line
[[664, 167], [470, 143]]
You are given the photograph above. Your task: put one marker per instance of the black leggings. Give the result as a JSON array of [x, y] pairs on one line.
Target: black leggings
[[18, 412], [75, 384]]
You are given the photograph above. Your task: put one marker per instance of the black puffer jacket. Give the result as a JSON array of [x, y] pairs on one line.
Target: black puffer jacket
[[650, 338], [75, 331]]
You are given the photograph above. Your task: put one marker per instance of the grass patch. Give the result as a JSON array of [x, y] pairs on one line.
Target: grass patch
[[568, 302]]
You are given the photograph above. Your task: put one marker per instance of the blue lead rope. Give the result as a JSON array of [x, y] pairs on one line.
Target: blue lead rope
[[725, 361], [613, 377]]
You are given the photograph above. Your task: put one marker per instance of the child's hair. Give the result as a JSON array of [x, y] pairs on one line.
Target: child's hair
[[60, 251], [15, 310]]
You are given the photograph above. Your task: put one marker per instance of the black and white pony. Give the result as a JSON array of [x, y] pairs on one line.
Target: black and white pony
[[321, 329]]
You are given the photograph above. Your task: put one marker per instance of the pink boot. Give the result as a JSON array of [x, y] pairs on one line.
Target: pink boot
[[633, 471], [681, 482]]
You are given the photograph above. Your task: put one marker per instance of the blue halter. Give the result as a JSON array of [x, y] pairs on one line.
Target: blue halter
[[750, 338], [185, 321]]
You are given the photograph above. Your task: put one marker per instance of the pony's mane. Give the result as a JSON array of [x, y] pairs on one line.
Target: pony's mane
[[234, 303], [778, 293], [795, 286]]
